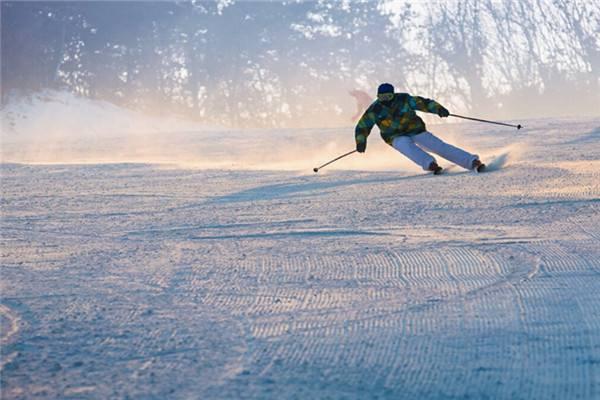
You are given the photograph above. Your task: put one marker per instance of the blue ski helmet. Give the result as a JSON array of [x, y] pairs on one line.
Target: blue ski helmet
[[385, 88]]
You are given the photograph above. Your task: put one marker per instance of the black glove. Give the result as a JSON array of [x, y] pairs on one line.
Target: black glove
[[442, 112], [361, 146]]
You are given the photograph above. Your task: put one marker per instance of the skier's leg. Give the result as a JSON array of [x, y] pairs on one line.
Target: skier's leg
[[451, 153], [406, 146]]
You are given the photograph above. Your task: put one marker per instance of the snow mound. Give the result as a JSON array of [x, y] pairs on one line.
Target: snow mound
[[54, 126], [54, 114]]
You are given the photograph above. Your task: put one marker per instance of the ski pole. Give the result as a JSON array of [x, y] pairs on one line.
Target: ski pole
[[316, 169], [489, 122]]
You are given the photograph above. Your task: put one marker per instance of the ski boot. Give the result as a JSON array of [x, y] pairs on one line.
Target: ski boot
[[478, 166], [435, 168]]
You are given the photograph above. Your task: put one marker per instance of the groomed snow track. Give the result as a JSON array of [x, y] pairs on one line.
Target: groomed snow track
[[140, 281]]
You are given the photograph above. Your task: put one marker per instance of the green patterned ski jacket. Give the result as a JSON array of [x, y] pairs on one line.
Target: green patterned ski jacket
[[397, 119]]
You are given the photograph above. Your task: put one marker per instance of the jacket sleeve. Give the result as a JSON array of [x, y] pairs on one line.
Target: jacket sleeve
[[364, 126], [422, 104]]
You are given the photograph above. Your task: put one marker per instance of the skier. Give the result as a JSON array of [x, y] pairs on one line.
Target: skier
[[401, 128]]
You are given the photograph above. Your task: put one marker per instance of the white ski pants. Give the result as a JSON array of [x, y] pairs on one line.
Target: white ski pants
[[416, 147]]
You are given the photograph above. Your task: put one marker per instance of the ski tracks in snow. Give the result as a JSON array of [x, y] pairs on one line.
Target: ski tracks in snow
[[243, 284]]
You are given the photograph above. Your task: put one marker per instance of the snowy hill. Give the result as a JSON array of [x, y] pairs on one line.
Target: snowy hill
[[147, 281]]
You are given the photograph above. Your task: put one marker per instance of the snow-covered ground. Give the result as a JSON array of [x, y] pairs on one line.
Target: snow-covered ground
[[131, 280]]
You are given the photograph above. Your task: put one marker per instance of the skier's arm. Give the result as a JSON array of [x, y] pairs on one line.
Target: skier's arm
[[427, 105], [363, 129]]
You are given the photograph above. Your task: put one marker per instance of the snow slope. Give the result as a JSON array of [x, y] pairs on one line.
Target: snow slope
[[147, 281]]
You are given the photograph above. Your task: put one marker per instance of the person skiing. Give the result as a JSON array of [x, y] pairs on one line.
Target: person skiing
[[401, 128]]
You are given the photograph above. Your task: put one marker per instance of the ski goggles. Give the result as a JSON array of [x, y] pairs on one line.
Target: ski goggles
[[385, 96]]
